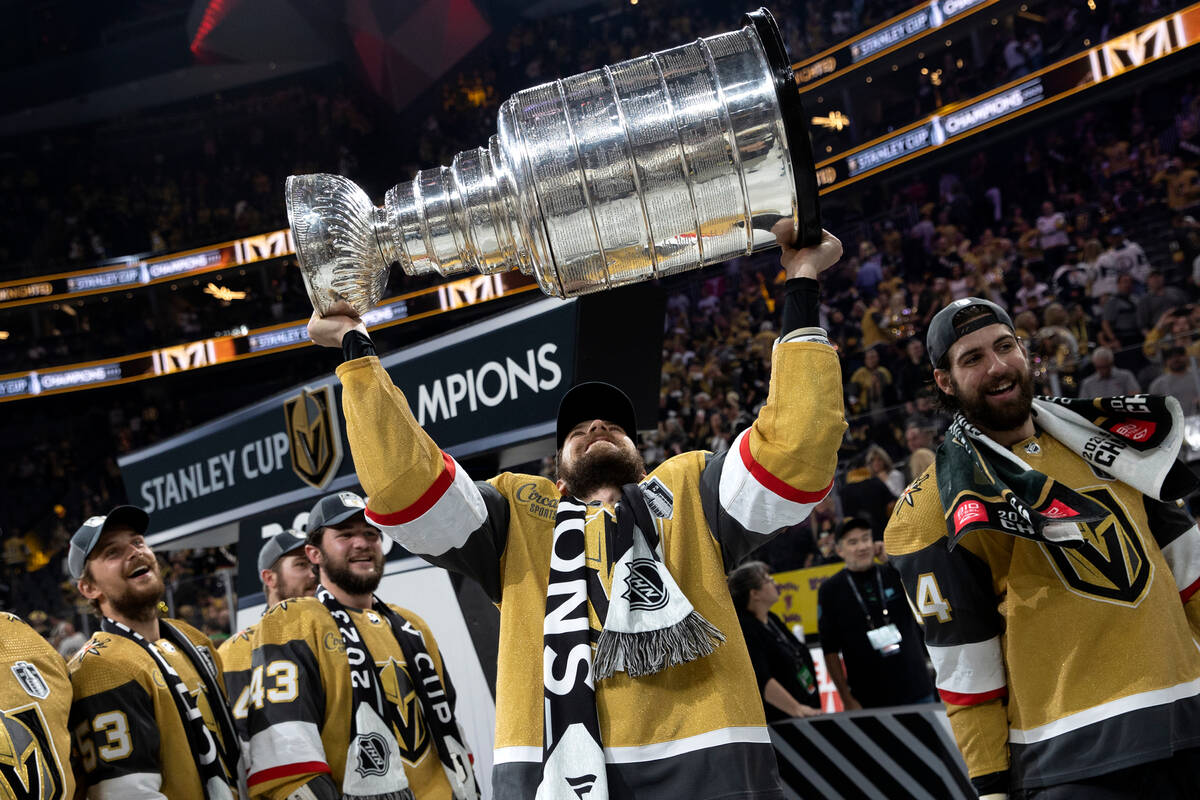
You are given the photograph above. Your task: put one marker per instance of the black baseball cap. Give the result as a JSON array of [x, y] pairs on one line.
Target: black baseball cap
[[595, 400], [331, 510], [851, 524], [957, 320], [89, 533], [277, 547]]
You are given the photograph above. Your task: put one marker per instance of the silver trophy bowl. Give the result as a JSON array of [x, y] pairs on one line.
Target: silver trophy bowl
[[664, 163]]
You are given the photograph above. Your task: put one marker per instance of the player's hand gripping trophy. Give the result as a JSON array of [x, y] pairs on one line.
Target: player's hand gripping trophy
[[660, 164]]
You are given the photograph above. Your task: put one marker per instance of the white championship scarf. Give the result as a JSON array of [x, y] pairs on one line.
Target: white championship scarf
[[649, 626]]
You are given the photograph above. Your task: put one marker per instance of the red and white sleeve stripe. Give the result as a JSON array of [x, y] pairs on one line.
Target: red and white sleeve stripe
[[441, 519], [285, 750], [758, 500], [969, 674], [1183, 557]]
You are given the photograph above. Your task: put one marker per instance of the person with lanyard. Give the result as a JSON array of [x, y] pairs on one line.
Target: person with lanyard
[[1056, 570], [150, 718], [635, 564], [787, 676], [349, 698], [865, 624], [285, 572]]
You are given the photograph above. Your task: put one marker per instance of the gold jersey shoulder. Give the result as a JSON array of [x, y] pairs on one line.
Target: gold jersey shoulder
[[917, 518], [35, 699]]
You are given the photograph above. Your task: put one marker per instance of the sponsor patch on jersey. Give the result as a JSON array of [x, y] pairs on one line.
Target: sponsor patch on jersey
[[31, 680], [1059, 510], [968, 512], [1134, 430], [644, 587], [658, 498]]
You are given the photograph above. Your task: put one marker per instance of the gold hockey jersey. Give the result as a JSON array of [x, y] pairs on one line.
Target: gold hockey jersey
[[235, 653], [1096, 649], [126, 726], [300, 699], [696, 730], [35, 698]]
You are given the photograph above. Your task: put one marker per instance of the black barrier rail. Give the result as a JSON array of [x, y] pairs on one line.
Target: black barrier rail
[[893, 753]]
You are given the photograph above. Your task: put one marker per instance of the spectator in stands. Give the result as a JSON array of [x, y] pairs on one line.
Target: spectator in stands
[[880, 464], [1122, 257], [918, 462], [914, 372], [870, 390], [1052, 234], [1179, 380], [1158, 299], [1119, 329], [1108, 380], [783, 667], [866, 624], [1033, 293]]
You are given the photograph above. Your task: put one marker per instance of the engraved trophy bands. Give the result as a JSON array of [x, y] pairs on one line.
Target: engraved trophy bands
[[657, 165]]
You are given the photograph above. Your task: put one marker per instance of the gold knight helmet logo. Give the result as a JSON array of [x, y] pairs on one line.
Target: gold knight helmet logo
[[25, 772], [314, 437]]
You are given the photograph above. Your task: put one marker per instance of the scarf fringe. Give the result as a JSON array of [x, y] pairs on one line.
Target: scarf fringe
[[645, 653], [403, 794]]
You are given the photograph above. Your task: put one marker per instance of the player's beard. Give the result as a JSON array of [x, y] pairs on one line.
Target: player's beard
[[984, 412], [139, 603], [341, 575], [300, 587], [604, 468]]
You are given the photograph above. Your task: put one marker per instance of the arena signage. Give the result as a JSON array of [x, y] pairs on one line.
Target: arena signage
[[903, 29], [134, 271], [243, 343], [1145, 45], [488, 386]]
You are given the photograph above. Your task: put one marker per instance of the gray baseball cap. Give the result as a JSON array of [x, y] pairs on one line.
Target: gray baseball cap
[[957, 320], [89, 533], [277, 547], [331, 510]]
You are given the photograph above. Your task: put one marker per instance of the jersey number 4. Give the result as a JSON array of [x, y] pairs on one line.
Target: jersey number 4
[[285, 687], [930, 602]]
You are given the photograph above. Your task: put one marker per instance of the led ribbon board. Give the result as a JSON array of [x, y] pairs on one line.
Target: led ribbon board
[[955, 122], [249, 344]]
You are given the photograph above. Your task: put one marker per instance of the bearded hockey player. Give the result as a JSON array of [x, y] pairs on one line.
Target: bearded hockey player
[[35, 698], [1056, 573], [667, 705], [348, 696], [150, 718]]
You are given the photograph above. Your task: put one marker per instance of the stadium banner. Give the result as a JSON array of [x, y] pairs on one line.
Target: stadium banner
[[132, 271], [886, 37], [955, 122], [797, 603], [262, 341], [902, 751], [488, 386]]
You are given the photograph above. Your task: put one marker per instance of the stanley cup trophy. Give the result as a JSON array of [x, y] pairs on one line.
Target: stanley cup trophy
[[661, 164]]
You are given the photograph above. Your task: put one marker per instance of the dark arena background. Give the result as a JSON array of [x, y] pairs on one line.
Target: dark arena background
[[153, 348]]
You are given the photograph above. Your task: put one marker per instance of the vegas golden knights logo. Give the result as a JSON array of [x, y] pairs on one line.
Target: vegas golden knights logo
[[27, 761], [314, 437], [404, 711], [1112, 564]]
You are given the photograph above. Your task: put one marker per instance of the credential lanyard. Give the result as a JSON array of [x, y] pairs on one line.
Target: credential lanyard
[[862, 603]]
